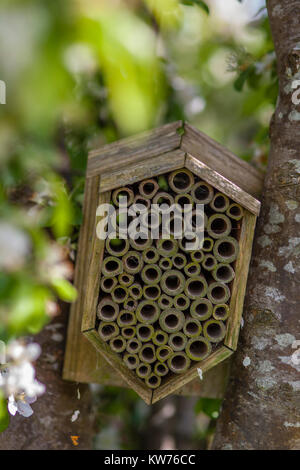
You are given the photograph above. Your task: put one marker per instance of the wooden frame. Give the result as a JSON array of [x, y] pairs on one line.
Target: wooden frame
[[165, 149]]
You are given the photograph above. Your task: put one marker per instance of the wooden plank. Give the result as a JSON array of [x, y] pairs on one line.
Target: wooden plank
[[138, 171], [115, 361], [222, 160], [176, 382], [134, 149], [93, 274], [240, 282], [223, 184]]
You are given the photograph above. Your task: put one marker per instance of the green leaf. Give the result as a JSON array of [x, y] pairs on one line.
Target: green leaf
[[209, 406], [199, 3], [4, 416], [65, 290]]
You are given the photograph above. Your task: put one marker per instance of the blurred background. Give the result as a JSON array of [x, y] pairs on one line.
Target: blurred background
[[83, 73]]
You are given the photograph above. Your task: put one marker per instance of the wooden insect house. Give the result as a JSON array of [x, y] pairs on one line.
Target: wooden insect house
[[154, 309]]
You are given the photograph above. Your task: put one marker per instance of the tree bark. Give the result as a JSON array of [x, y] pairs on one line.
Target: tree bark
[[261, 409], [50, 427]]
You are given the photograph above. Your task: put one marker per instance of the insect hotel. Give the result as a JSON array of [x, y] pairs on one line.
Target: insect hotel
[[155, 313]]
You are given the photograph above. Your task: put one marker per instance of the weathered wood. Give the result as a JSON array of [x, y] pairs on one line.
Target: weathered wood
[[134, 149], [222, 160], [138, 171], [240, 281], [223, 184]]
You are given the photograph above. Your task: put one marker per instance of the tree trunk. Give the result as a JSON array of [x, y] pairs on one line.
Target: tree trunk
[[262, 405], [50, 427]]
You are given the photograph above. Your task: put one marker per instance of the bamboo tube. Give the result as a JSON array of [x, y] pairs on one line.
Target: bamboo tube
[[132, 262], [218, 292], [172, 226], [167, 248], [171, 320], [177, 341], [151, 274], [128, 332], [147, 312], [153, 381], [201, 309], [226, 249], [209, 262], [221, 312], [112, 266], [198, 349], [235, 211], [126, 318], [143, 370], [163, 353], [161, 369], [141, 244], [165, 263], [107, 309], [197, 220], [125, 279], [219, 226], [117, 344], [164, 201], [181, 181], [195, 287], [181, 302], [130, 304], [120, 193], [220, 202], [192, 269], [119, 294], [202, 193], [142, 201], [131, 360], [148, 188], [135, 291], [208, 244], [189, 242], [147, 353], [160, 338], [165, 301], [185, 202], [151, 291], [179, 362], [133, 346], [108, 330], [223, 273], [214, 330], [192, 327], [150, 255], [150, 220], [179, 260], [108, 283], [144, 332], [172, 282], [197, 256]]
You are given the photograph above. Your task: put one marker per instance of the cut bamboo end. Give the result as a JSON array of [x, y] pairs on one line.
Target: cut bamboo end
[[108, 283], [161, 369], [148, 188], [214, 330], [140, 244], [119, 195], [177, 341], [112, 266], [108, 330], [172, 282], [167, 248], [151, 274], [150, 255], [147, 312], [198, 349], [107, 310], [195, 287], [125, 279], [226, 249], [118, 344], [151, 291], [126, 318], [220, 202], [133, 346], [181, 181], [141, 202], [131, 360], [133, 262], [202, 193], [128, 332], [117, 246], [135, 291], [119, 294], [208, 244], [171, 320], [192, 269], [160, 338], [197, 256], [147, 353], [165, 264], [190, 242], [144, 332], [179, 261], [163, 353], [130, 304], [192, 327], [153, 381], [209, 262], [143, 370], [185, 202], [218, 226], [218, 293], [164, 201], [235, 211], [201, 309], [223, 273], [181, 302], [150, 220], [165, 301], [221, 312], [179, 362]]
